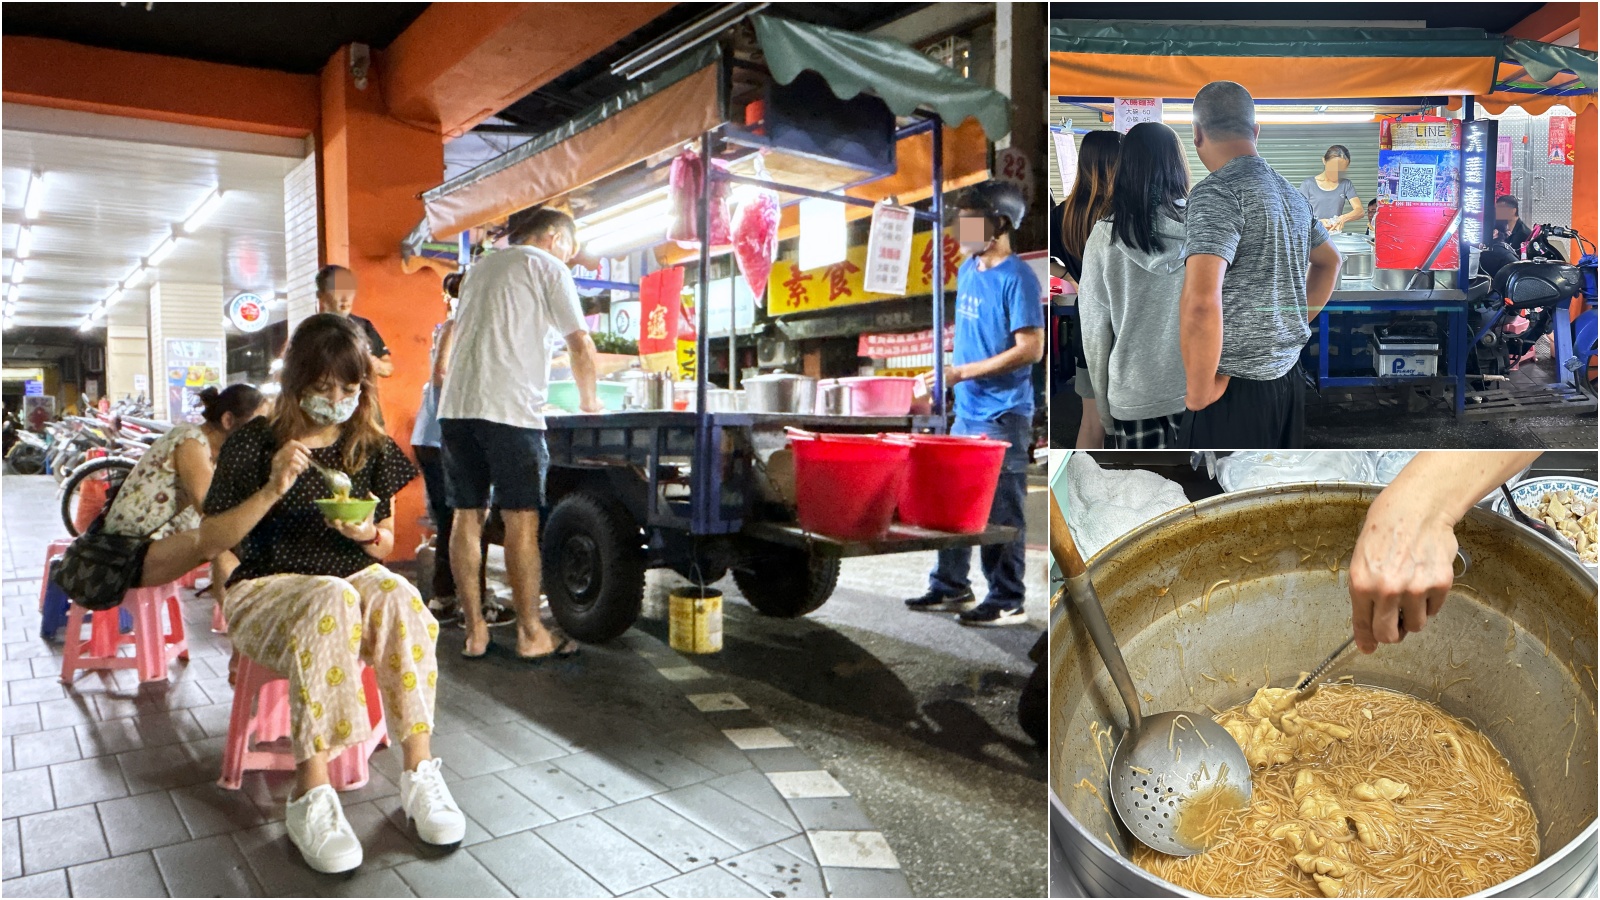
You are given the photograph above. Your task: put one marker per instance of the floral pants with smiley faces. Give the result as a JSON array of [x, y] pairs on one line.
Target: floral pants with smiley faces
[[317, 630]]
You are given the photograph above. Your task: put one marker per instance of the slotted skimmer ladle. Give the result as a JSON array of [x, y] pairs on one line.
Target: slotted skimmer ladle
[[1173, 772]]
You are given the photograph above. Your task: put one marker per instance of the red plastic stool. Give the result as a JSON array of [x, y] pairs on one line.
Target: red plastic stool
[[261, 713], [57, 548], [154, 647]]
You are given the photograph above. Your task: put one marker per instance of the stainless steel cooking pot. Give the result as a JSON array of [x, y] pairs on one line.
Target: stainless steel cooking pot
[[1355, 251], [834, 398], [1520, 623], [647, 390], [781, 392], [1397, 279], [722, 400]]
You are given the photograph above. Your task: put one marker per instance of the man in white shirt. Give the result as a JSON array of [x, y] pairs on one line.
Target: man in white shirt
[[489, 412]]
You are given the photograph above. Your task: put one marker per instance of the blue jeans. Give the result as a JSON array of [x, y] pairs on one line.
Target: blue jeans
[[1003, 564]]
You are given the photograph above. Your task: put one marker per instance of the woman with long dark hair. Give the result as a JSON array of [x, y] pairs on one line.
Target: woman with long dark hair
[[1087, 204], [311, 598], [1128, 298]]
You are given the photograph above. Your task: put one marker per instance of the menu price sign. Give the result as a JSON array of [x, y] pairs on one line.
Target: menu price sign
[[1130, 111], [889, 250], [192, 366]]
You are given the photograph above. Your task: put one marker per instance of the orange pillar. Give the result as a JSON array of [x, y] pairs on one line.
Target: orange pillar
[[373, 168], [1585, 187]]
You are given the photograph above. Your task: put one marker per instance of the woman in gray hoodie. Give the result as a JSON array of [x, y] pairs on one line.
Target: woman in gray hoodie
[[1128, 297]]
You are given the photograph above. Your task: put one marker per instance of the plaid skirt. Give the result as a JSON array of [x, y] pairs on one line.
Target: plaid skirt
[[1160, 433]]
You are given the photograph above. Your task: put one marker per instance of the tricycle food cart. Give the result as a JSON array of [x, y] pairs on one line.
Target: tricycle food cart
[[690, 490]]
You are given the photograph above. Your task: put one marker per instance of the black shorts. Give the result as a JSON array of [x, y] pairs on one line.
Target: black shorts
[[480, 455]]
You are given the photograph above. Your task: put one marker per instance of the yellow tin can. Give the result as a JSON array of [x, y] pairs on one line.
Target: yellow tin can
[[694, 621]]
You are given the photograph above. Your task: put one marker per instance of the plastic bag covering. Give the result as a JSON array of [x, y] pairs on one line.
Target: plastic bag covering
[[683, 189], [1138, 59], [649, 117], [755, 233], [902, 77]]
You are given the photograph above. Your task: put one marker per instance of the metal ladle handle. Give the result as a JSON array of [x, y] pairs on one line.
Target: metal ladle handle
[[1084, 599]]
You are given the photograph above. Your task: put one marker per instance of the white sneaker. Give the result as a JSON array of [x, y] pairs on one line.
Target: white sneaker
[[427, 803], [318, 827]]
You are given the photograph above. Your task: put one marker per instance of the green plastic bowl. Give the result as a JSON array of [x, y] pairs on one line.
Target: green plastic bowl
[[565, 395], [346, 510]]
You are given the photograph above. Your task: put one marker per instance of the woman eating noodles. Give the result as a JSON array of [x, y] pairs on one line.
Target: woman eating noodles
[[312, 600]]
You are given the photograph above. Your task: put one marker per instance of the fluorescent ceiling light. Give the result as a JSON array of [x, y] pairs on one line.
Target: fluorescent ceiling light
[[637, 230], [98, 313], [15, 290], [24, 242], [88, 324], [114, 299], [622, 217], [162, 251], [35, 197], [136, 279], [16, 271], [202, 212]]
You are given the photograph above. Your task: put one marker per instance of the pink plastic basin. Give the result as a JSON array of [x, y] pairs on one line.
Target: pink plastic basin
[[879, 395]]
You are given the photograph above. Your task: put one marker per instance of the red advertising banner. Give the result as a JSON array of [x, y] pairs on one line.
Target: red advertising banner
[[1562, 133], [661, 311]]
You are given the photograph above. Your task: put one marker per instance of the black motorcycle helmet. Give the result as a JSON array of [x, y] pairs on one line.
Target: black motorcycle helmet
[[995, 199]]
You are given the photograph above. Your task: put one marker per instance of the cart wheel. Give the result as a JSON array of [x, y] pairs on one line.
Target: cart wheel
[[594, 568], [787, 583]]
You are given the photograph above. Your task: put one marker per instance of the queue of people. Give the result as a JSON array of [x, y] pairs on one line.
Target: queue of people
[[1195, 304]]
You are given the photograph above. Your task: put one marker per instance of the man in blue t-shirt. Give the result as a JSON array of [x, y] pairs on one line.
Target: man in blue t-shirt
[[999, 339]]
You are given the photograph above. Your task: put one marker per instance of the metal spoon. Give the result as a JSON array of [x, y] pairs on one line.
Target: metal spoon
[[1164, 762], [338, 482], [1545, 530]]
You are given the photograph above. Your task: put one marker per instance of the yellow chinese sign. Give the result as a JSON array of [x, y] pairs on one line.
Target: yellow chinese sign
[[792, 290]]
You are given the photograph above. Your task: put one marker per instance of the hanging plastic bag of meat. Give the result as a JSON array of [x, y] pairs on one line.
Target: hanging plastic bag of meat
[[755, 234], [683, 191]]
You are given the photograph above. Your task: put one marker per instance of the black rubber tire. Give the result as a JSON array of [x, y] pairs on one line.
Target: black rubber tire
[[593, 567], [1033, 707], [114, 467], [26, 460], [787, 583]]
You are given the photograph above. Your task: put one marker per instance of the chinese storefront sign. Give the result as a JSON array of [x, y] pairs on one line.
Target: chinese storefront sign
[[791, 289], [1477, 143], [1561, 140], [1131, 111], [889, 250], [891, 346], [192, 366]]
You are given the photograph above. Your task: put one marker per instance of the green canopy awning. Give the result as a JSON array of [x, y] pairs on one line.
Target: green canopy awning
[[902, 77], [1545, 62]]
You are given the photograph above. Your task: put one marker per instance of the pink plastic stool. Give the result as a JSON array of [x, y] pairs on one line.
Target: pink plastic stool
[[261, 712], [193, 576], [57, 547], [154, 647]]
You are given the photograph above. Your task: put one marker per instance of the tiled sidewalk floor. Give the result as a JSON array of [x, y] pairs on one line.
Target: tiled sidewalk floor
[[627, 771]]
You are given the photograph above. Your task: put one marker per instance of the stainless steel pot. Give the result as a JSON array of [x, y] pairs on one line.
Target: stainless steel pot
[[834, 398], [1356, 254], [781, 392], [647, 390], [1279, 615], [722, 400], [1397, 279]]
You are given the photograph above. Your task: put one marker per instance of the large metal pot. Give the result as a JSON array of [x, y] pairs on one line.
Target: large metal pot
[[1355, 251], [781, 392], [1279, 615], [647, 390]]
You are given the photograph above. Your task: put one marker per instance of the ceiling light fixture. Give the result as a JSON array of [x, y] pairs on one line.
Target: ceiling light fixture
[[87, 325], [12, 297], [114, 299], [162, 251], [99, 312], [203, 212], [16, 272], [135, 279], [24, 242], [35, 198]]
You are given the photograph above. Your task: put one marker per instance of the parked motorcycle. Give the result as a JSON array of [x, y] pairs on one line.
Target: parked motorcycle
[[1528, 299]]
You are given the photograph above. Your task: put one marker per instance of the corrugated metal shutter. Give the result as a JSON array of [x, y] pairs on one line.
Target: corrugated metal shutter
[[1295, 151]]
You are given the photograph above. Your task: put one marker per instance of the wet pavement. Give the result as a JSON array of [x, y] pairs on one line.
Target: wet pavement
[[861, 751]]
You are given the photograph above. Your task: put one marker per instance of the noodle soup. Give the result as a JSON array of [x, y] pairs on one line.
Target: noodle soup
[[1361, 792]]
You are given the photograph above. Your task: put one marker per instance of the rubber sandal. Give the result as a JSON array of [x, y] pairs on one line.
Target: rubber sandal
[[566, 648]]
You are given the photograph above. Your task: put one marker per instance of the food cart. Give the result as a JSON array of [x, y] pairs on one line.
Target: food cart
[[691, 490], [1095, 63]]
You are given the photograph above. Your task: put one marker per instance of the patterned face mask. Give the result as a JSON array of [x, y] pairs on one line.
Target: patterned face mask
[[326, 412]]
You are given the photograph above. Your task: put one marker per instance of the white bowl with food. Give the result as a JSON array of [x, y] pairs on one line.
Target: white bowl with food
[[1564, 503]]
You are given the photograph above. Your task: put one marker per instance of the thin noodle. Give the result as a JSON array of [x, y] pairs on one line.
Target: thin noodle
[[1206, 598], [1464, 804]]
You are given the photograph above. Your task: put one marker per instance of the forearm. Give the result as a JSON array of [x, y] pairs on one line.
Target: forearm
[[1320, 282], [999, 364], [1200, 341], [585, 367], [224, 531], [1444, 485]]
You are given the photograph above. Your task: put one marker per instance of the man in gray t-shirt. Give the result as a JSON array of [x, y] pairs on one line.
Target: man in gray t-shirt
[[1258, 268]]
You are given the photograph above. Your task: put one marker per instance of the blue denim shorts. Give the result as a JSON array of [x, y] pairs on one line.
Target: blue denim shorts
[[479, 455]]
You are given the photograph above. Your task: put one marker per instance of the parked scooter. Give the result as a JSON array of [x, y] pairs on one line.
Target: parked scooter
[[1529, 299]]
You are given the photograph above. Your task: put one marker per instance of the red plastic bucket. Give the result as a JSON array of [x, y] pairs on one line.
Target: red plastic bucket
[[846, 485], [951, 481]]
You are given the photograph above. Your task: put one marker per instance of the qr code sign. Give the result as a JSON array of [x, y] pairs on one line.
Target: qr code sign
[[1416, 183]]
